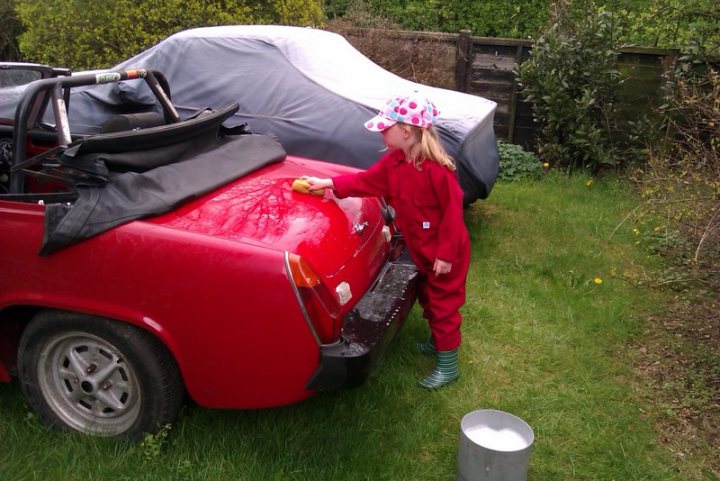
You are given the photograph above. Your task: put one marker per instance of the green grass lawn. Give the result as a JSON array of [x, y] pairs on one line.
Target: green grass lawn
[[548, 334]]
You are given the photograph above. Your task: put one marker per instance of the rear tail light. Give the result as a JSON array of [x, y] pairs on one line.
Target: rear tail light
[[320, 308]]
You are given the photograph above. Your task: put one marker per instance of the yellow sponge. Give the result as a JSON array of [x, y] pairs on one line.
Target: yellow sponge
[[303, 187]]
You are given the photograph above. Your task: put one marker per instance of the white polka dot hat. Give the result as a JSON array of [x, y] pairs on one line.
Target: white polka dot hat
[[413, 110]]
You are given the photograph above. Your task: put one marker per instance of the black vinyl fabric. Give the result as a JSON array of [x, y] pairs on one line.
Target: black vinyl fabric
[[144, 149], [200, 165]]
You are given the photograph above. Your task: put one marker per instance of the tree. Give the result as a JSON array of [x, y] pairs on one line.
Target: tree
[[82, 35]]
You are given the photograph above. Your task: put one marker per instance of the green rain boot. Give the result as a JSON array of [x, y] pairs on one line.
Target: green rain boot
[[445, 372], [427, 348]]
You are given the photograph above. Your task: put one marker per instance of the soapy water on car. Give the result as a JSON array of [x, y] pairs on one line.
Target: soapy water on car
[[498, 440]]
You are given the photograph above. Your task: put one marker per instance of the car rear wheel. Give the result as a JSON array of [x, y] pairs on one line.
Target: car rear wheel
[[97, 376]]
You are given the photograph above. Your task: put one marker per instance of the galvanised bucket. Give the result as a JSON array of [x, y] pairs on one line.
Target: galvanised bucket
[[494, 446]]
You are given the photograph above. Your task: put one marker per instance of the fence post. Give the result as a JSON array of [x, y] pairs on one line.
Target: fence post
[[514, 98], [463, 61]]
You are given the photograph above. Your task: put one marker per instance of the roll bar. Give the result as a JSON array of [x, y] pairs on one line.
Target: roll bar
[[56, 86]]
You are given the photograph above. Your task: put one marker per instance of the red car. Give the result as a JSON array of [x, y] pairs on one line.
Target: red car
[[167, 256]]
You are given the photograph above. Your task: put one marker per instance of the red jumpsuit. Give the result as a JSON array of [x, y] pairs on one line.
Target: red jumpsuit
[[428, 203]]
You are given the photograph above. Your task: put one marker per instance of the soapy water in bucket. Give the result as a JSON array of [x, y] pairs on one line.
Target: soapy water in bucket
[[498, 440]]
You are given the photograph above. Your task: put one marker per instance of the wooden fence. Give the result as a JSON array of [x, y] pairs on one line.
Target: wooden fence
[[484, 66]]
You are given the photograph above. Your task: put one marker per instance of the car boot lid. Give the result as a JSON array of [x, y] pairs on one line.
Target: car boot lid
[[262, 208]]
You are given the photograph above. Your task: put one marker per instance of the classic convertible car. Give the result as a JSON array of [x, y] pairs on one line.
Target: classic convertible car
[[168, 254]]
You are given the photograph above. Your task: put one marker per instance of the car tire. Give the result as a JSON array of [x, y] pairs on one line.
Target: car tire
[[97, 376]]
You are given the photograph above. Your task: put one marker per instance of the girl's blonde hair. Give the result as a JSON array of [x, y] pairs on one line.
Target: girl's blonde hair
[[429, 148]]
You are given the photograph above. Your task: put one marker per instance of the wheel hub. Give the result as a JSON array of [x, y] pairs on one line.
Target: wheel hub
[[88, 384]]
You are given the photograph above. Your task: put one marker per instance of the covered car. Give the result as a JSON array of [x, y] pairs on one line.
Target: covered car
[[169, 254], [309, 88]]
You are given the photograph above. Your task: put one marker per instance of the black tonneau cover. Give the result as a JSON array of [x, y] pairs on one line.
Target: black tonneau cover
[[177, 163]]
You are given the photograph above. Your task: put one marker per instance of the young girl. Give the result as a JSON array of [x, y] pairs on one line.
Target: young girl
[[417, 177]]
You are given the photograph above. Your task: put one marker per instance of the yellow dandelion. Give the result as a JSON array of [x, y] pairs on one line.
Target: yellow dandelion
[[546, 165], [597, 280], [589, 182], [636, 231]]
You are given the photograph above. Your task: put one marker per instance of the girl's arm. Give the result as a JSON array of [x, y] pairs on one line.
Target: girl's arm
[[368, 183]]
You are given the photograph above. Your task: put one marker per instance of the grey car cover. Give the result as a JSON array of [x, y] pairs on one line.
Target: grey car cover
[[308, 88]]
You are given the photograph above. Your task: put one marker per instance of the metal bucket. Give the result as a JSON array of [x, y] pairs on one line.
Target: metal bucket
[[494, 446]]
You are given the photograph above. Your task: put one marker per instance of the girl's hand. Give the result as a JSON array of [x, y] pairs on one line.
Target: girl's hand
[[317, 183], [441, 267]]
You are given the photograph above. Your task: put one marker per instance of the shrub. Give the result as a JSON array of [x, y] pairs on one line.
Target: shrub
[[516, 163], [667, 23], [81, 34], [680, 185], [572, 82], [500, 18], [9, 32]]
